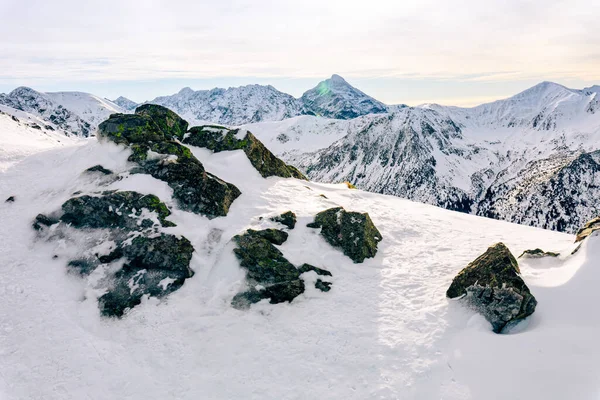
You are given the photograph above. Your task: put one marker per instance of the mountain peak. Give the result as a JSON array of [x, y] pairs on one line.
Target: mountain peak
[[337, 78]]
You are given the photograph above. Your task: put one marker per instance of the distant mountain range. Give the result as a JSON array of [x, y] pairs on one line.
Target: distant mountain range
[[533, 158]]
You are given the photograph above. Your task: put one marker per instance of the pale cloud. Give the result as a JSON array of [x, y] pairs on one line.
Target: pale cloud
[[464, 40]]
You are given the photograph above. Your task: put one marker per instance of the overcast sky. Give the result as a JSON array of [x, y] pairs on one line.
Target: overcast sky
[[461, 52]]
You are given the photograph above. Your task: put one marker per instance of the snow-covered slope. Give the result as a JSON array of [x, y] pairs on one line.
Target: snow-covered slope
[[23, 134], [336, 98], [74, 112], [385, 330], [233, 106], [529, 159]]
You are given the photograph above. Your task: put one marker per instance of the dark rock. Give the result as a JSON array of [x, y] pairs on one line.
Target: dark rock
[[82, 267], [48, 127], [11, 199], [14, 118], [151, 260], [588, 229], [151, 129], [170, 123], [277, 279], [130, 129], [538, 253], [42, 220], [99, 168], [218, 138], [274, 236], [195, 189], [263, 261], [288, 219], [121, 210], [35, 126], [323, 286], [307, 267], [492, 285], [353, 232]]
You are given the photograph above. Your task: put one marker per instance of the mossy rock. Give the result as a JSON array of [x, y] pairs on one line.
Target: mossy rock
[[493, 286], [152, 129], [288, 219], [194, 189], [156, 267], [538, 253], [263, 261], [277, 279], [130, 129], [120, 210], [170, 123], [588, 229], [218, 138], [353, 232]]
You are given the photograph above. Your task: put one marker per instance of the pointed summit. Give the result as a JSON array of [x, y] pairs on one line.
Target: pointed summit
[[336, 98], [125, 103]]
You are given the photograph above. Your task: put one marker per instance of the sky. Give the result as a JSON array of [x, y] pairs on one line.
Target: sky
[[459, 52]]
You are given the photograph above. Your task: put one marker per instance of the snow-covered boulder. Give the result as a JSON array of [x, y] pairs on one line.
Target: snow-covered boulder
[[288, 219], [130, 225], [353, 232], [588, 229], [218, 138], [152, 135], [492, 285], [269, 274]]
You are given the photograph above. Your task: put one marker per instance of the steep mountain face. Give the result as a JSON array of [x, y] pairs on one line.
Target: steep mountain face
[[233, 106], [73, 112], [530, 159], [336, 98], [331, 98], [125, 103]]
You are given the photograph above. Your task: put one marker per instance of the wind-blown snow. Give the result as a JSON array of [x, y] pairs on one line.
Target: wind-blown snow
[[385, 330]]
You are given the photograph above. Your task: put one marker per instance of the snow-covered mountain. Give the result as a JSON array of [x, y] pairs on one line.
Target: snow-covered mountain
[[336, 98], [233, 106], [331, 98], [383, 329], [75, 113], [530, 159], [125, 103]]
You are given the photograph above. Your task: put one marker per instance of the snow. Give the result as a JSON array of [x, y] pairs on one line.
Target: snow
[[385, 330]]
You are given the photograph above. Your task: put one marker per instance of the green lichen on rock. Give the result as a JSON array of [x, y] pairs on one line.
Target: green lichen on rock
[[353, 232], [269, 274], [288, 219], [538, 253], [492, 285], [588, 229], [130, 129], [156, 129], [218, 138], [170, 123], [120, 210]]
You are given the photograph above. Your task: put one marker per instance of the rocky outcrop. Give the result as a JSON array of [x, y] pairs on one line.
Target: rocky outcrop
[[353, 232], [538, 253], [116, 210], [218, 138], [268, 273], [492, 285], [100, 169], [152, 135], [288, 219], [154, 263], [588, 229], [155, 266]]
